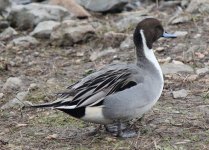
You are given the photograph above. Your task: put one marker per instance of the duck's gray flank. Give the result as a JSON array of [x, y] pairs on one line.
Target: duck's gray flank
[[118, 92]]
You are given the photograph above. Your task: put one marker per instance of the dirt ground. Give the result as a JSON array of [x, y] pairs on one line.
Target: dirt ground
[[173, 124]]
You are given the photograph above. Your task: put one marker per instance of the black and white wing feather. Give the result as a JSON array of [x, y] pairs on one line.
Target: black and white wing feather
[[91, 90]]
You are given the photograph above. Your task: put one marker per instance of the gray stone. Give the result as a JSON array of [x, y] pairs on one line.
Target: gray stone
[[181, 33], [27, 16], [13, 83], [202, 71], [177, 62], [23, 1], [25, 41], [179, 48], [165, 60], [113, 39], [33, 86], [1, 95], [44, 29], [71, 31], [129, 21], [51, 82], [160, 49], [171, 68], [185, 3], [4, 7], [8, 33], [96, 55], [73, 7], [3, 25], [180, 93], [17, 100], [127, 43], [198, 6], [179, 17], [133, 4], [103, 6], [4, 4]]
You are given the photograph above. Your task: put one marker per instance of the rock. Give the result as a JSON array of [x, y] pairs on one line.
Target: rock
[[127, 43], [4, 6], [181, 33], [197, 36], [36, 54], [53, 136], [160, 49], [185, 3], [1, 84], [8, 33], [18, 100], [19, 2], [1, 95], [96, 55], [164, 60], [51, 82], [171, 68], [177, 62], [179, 48], [25, 41], [113, 39], [180, 94], [70, 32], [33, 86], [3, 24], [200, 6], [167, 4], [72, 7], [132, 5], [44, 29], [27, 16], [103, 6], [13, 83], [129, 21], [202, 71], [199, 55], [179, 17]]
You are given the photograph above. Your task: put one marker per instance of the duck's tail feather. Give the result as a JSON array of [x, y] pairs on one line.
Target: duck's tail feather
[[45, 105]]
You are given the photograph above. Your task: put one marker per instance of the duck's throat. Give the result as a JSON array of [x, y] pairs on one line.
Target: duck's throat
[[149, 54]]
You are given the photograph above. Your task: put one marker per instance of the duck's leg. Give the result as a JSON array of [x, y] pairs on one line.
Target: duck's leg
[[125, 133], [120, 129], [113, 128]]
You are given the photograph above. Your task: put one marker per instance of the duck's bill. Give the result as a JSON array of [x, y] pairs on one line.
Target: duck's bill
[[168, 35]]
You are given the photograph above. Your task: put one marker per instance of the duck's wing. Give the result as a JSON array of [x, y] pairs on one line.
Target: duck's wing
[[92, 90]]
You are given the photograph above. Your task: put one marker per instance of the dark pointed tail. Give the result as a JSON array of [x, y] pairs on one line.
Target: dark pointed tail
[[45, 105]]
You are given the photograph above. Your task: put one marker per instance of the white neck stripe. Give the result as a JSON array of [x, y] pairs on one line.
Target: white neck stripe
[[149, 54]]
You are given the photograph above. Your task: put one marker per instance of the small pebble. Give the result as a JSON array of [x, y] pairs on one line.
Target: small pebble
[[1, 95], [180, 93]]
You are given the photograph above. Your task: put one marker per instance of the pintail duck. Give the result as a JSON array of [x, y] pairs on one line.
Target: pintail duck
[[118, 92]]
